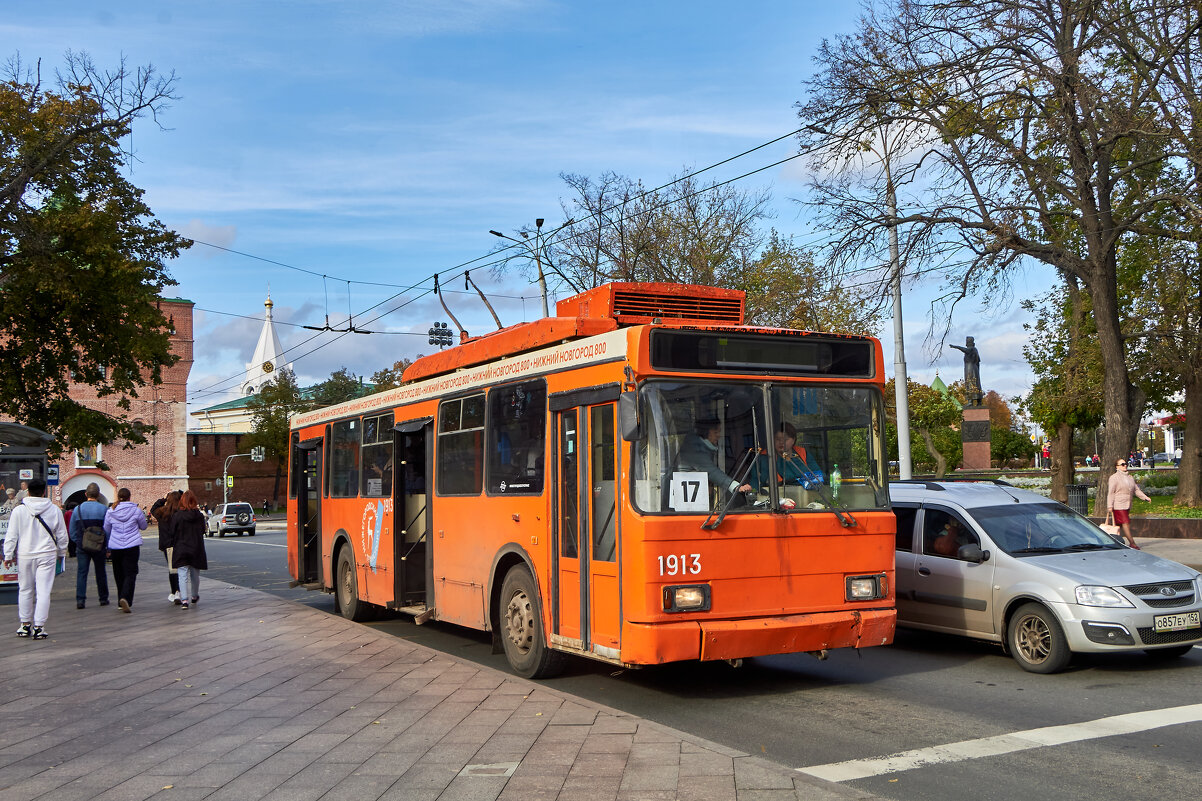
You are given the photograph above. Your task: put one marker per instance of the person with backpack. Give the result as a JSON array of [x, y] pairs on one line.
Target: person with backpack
[[89, 517], [36, 539], [124, 524]]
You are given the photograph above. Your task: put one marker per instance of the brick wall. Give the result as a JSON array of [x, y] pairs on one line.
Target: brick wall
[[253, 481], [161, 465]]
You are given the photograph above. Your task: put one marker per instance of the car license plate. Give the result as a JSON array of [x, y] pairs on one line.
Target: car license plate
[[1189, 620]]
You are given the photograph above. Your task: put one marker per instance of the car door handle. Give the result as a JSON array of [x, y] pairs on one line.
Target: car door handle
[[924, 571]]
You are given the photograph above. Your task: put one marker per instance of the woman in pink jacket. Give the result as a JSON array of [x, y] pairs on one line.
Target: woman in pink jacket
[[1118, 496]]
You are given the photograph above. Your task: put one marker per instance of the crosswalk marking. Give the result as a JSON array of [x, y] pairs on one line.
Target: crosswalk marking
[[1006, 743]]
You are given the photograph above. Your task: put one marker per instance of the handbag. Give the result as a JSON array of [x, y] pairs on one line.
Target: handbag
[[1108, 525], [91, 538]]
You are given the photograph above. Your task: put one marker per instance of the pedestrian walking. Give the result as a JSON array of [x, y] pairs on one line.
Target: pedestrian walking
[[188, 526], [124, 525], [163, 513], [36, 539], [1118, 498], [89, 515]]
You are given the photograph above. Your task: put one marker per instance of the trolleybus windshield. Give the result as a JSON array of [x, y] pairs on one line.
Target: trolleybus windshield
[[794, 448]]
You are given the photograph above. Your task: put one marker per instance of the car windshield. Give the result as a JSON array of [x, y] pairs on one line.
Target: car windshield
[[1030, 529], [799, 448], [237, 508]]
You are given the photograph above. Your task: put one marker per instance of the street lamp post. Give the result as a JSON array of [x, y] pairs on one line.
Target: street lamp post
[[225, 473], [536, 251], [901, 381]]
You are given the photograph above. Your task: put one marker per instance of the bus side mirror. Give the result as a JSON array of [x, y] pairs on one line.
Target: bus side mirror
[[628, 416]]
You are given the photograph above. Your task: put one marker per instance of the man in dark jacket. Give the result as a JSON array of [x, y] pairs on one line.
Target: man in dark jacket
[[89, 513]]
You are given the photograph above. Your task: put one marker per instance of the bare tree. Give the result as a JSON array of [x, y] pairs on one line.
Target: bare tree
[[688, 232], [1026, 138]]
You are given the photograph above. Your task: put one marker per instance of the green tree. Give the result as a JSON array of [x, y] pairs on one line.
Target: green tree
[[934, 420], [270, 412], [81, 255], [341, 386], [1007, 445], [1064, 355], [390, 377]]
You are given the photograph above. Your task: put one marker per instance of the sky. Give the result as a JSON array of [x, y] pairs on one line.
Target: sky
[[377, 143]]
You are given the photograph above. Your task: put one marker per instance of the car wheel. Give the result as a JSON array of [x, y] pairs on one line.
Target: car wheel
[[1169, 653], [251, 532], [221, 532], [347, 588], [522, 628], [1036, 640]]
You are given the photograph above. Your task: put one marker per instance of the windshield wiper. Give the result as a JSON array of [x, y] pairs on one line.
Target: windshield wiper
[[1040, 549], [1091, 546], [706, 524], [841, 511]]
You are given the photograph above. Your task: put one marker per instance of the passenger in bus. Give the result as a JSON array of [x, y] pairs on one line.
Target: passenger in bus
[[700, 453], [380, 469], [791, 466]]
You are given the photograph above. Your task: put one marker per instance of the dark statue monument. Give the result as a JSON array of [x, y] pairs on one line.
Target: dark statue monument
[[975, 431], [972, 372]]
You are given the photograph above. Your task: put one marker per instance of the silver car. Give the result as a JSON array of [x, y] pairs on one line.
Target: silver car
[[989, 561], [231, 518]]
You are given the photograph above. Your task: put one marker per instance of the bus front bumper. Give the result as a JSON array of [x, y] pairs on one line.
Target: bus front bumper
[[658, 643]]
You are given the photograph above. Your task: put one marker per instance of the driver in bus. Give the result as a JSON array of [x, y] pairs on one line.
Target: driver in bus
[[700, 453]]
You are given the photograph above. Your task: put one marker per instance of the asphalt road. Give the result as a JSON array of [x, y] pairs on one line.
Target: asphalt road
[[978, 725]]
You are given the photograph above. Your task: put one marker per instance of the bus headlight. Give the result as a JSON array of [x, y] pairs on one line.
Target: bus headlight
[[867, 588], [687, 598]]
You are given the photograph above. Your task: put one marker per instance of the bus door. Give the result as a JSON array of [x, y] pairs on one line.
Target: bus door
[[585, 598], [308, 504], [411, 520]]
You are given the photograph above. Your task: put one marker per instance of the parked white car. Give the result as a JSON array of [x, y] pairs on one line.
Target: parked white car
[[232, 518], [993, 562]]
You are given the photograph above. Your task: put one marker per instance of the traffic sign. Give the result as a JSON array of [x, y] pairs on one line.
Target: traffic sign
[[51, 475], [229, 481]]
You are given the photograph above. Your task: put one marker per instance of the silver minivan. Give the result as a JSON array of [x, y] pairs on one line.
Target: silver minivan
[[993, 562]]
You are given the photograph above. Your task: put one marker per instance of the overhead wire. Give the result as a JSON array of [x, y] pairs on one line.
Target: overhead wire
[[219, 386]]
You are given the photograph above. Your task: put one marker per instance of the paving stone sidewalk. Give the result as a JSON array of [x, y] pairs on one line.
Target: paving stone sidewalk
[[247, 696]]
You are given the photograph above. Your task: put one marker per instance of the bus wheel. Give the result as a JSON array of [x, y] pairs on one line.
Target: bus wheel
[[522, 628], [347, 588]]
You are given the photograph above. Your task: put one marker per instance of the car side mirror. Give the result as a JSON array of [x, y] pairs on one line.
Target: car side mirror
[[972, 553]]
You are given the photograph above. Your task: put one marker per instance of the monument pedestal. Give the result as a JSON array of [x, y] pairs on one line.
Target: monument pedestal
[[974, 435]]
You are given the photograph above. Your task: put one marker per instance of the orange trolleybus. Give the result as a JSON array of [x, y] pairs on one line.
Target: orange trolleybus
[[640, 479]]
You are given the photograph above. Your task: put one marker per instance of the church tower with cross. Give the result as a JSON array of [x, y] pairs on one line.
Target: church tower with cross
[[268, 358]]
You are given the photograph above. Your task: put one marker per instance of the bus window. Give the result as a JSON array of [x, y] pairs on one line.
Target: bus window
[[460, 456], [377, 456], [602, 474], [294, 472], [344, 459], [517, 427]]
